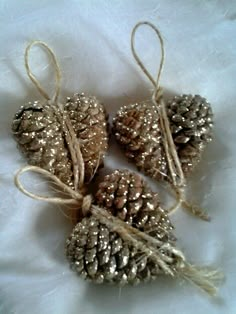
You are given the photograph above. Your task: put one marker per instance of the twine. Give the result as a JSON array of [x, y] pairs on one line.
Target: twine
[[34, 79], [177, 178], [149, 246]]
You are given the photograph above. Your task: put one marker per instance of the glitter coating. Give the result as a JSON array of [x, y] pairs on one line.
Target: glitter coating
[[136, 128], [132, 200], [111, 259], [191, 122]]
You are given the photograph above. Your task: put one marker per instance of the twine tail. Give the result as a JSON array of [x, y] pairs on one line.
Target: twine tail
[[189, 207], [195, 210], [205, 278]]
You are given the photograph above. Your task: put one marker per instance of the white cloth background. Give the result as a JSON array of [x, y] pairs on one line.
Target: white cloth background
[[92, 42]]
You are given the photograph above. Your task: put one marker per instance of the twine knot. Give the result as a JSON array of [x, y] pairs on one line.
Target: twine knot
[[86, 204], [157, 94]]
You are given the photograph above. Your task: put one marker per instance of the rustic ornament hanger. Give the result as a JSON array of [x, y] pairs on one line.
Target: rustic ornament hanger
[[176, 172], [177, 180], [34, 80]]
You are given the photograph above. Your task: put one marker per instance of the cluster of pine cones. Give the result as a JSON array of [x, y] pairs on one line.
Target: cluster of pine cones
[[94, 251], [137, 129]]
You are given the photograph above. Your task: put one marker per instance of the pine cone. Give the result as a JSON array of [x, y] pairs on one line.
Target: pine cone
[[41, 139], [136, 128], [89, 120], [98, 254], [191, 121], [126, 195]]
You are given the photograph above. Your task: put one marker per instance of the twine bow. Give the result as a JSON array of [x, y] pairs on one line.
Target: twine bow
[[176, 178], [163, 254]]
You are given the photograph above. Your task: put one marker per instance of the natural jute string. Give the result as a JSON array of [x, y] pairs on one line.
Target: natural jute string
[[177, 179], [34, 79], [149, 246]]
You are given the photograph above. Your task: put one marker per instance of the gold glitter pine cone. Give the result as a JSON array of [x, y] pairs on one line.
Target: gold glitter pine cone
[[137, 128], [191, 122], [101, 255], [41, 139], [127, 196]]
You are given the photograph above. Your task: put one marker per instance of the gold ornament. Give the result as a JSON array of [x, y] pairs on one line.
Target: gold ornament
[[165, 141], [40, 129], [99, 254], [41, 137], [103, 248]]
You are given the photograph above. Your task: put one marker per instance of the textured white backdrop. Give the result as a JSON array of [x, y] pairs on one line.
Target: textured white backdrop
[[92, 42]]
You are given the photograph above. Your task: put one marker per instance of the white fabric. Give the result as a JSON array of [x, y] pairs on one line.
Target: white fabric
[[92, 42]]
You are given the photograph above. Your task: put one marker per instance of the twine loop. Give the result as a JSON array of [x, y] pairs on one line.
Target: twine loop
[[138, 60], [32, 77]]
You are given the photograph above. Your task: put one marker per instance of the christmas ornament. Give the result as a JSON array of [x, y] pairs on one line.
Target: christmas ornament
[[40, 129], [124, 236], [137, 129], [103, 248], [165, 141], [99, 254]]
